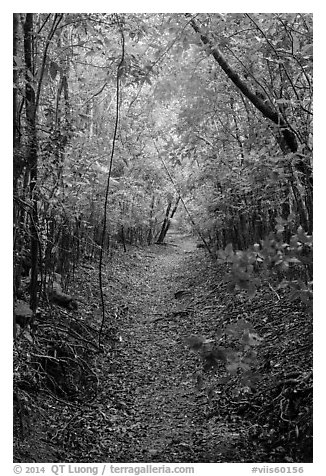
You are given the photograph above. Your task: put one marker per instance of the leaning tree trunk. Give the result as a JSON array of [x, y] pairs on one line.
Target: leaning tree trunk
[[172, 213], [287, 139], [163, 231], [167, 220]]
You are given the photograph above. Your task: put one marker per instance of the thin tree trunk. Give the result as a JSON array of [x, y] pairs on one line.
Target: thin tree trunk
[[164, 225], [15, 78], [123, 238], [16, 165], [32, 155], [150, 231]]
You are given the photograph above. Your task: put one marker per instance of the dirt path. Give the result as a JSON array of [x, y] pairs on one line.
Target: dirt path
[[146, 397], [159, 391], [154, 379]]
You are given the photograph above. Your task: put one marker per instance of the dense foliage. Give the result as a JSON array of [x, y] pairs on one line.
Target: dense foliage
[[127, 125]]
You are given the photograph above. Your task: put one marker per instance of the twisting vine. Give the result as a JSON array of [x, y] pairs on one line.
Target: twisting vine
[[117, 114]]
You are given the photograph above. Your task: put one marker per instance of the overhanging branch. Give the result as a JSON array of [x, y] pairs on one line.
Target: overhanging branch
[[263, 106]]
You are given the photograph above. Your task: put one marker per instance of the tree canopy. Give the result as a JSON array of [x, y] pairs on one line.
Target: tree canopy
[[127, 126], [224, 99]]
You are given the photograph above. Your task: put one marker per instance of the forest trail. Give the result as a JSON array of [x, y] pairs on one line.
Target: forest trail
[[155, 382], [136, 125], [148, 397]]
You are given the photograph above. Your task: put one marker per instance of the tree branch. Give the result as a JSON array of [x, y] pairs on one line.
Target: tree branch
[[265, 108]]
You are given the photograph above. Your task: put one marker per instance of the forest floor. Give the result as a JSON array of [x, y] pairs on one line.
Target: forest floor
[[155, 380], [153, 400]]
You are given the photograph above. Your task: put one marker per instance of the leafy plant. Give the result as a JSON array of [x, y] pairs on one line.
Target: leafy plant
[[237, 354], [290, 264]]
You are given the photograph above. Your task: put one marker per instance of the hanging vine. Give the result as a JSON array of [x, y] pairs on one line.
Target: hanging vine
[[117, 115]]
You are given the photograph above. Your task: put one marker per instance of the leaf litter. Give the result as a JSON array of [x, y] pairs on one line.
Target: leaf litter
[[155, 401]]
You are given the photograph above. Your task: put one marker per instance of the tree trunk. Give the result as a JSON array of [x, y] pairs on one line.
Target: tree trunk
[[165, 225], [16, 165], [259, 102], [167, 220], [123, 238], [150, 231], [15, 78], [32, 155], [287, 139]]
